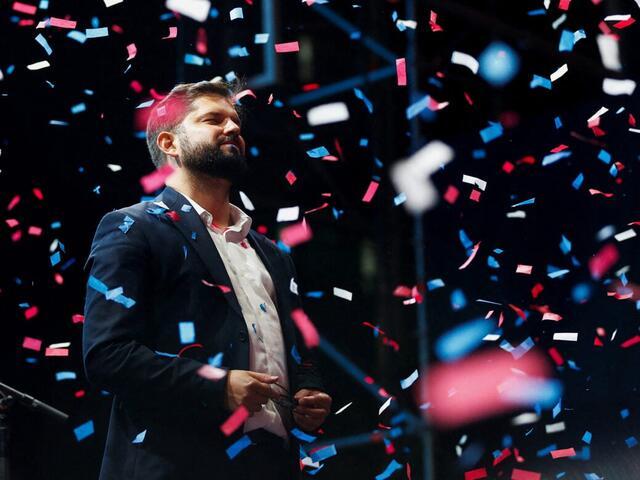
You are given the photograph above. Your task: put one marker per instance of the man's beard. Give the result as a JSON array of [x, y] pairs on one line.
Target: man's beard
[[209, 159]]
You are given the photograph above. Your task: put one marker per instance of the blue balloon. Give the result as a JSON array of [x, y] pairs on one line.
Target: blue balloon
[[499, 63]]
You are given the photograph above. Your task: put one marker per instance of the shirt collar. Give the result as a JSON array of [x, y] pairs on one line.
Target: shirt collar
[[239, 222]]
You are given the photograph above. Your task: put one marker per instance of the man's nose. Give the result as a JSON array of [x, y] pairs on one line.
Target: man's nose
[[231, 127]]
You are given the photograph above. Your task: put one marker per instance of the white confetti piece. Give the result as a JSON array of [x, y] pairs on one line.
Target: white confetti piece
[[339, 292], [248, 204], [609, 52], [613, 86], [288, 214], [39, 65], [626, 235], [566, 336], [559, 72], [236, 13], [554, 427], [195, 9], [478, 182], [111, 3], [328, 113], [384, 406], [460, 58], [342, 409], [407, 382]]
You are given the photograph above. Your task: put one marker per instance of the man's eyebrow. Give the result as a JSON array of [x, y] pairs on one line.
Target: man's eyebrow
[[217, 112]]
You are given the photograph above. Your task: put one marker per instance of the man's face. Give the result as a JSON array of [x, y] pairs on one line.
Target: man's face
[[210, 140]]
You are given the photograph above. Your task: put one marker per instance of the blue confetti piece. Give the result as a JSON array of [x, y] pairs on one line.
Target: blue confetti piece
[[586, 438], [558, 122], [65, 376], [237, 447], [314, 294], [83, 431], [77, 35], [435, 284], [304, 437], [97, 285], [624, 413], [186, 208], [613, 171], [43, 42], [318, 152], [126, 224], [359, 94], [139, 437], [631, 442], [400, 199], [324, 453], [296, 356], [392, 467], [306, 136], [78, 108], [59, 123], [263, 307], [216, 360], [462, 340], [557, 409], [493, 131], [492, 262], [499, 63], [114, 293], [554, 157], [97, 32], [165, 354], [536, 12], [184, 251], [55, 259], [566, 41], [604, 156], [531, 201], [577, 182], [417, 107], [465, 240], [546, 451], [187, 332], [479, 154], [565, 244], [538, 81], [458, 299], [519, 351], [192, 59], [410, 380], [364, 142]]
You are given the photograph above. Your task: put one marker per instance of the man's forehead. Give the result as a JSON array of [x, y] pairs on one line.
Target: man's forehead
[[208, 103]]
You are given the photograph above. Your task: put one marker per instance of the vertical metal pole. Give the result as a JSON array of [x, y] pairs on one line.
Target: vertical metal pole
[[418, 237]]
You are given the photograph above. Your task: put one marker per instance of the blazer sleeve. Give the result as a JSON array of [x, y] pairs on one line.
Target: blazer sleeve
[[307, 372], [115, 356]]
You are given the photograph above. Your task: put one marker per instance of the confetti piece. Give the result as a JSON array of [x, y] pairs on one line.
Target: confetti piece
[[306, 328], [43, 42], [156, 179], [341, 293], [324, 453], [566, 336], [371, 191], [493, 131], [173, 33], [302, 436], [84, 430], [32, 344], [288, 214], [96, 32], [466, 60], [524, 269], [30, 312], [559, 72], [411, 176], [211, 372], [328, 113], [187, 332], [566, 41], [476, 474], [132, 51], [24, 8], [562, 453], [139, 437], [602, 262], [471, 257], [62, 23], [234, 450], [401, 72], [318, 152], [287, 47], [38, 65], [462, 340], [626, 235], [342, 409], [384, 406], [609, 52], [388, 471], [60, 376], [499, 63], [612, 86], [518, 474], [195, 9], [235, 420], [246, 202], [551, 316], [554, 427], [236, 14], [296, 234]]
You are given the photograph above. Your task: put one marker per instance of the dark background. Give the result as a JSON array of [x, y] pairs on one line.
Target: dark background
[[364, 248]]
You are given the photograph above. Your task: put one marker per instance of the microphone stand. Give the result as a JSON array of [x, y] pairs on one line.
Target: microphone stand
[[8, 397]]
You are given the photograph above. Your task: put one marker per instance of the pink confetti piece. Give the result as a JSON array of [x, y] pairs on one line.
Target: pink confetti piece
[[291, 177], [518, 474], [173, 33], [222, 288], [287, 47], [243, 94], [564, 5], [433, 19], [564, 452], [38, 193], [14, 201], [594, 191], [30, 312], [56, 352], [296, 234], [451, 194], [630, 342], [132, 51], [371, 191], [602, 262], [24, 8], [476, 247], [551, 316], [62, 23], [475, 195], [77, 318], [35, 231], [156, 179], [306, 327], [32, 344], [212, 373], [12, 222], [235, 420], [524, 269], [401, 71], [518, 311]]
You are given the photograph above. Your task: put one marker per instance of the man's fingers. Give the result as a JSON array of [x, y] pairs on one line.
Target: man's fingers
[[263, 389], [317, 400], [312, 412], [263, 377]]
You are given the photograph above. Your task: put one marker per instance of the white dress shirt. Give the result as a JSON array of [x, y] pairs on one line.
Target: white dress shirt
[[256, 295]]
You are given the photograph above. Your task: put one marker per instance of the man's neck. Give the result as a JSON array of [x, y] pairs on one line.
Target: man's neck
[[210, 193]]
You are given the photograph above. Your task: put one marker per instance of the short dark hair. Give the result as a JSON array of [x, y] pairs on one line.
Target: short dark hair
[[168, 114]]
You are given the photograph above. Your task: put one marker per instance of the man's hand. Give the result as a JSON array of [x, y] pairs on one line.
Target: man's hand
[[313, 407], [251, 389]]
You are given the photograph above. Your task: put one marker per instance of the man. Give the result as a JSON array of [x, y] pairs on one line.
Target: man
[[180, 290]]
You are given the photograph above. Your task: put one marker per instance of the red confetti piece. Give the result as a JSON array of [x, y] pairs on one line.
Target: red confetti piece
[[156, 179], [451, 195], [58, 278], [62, 23], [38, 193], [518, 310], [402, 291], [12, 222], [631, 342], [624, 23], [287, 47], [235, 420], [537, 290], [564, 452], [173, 33], [306, 327], [401, 72], [77, 318], [30, 312], [594, 191], [296, 234], [518, 474], [433, 18], [503, 455], [79, 394], [564, 5], [291, 177], [603, 261], [476, 247], [14, 201], [475, 195], [597, 342], [556, 356], [475, 474], [508, 167], [524, 269], [371, 191]]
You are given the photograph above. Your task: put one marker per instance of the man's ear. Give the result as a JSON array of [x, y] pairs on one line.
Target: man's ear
[[168, 143]]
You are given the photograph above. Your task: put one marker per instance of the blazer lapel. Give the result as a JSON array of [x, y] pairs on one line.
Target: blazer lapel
[[195, 232]]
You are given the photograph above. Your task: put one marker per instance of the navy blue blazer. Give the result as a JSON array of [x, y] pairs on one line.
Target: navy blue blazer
[[150, 269]]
